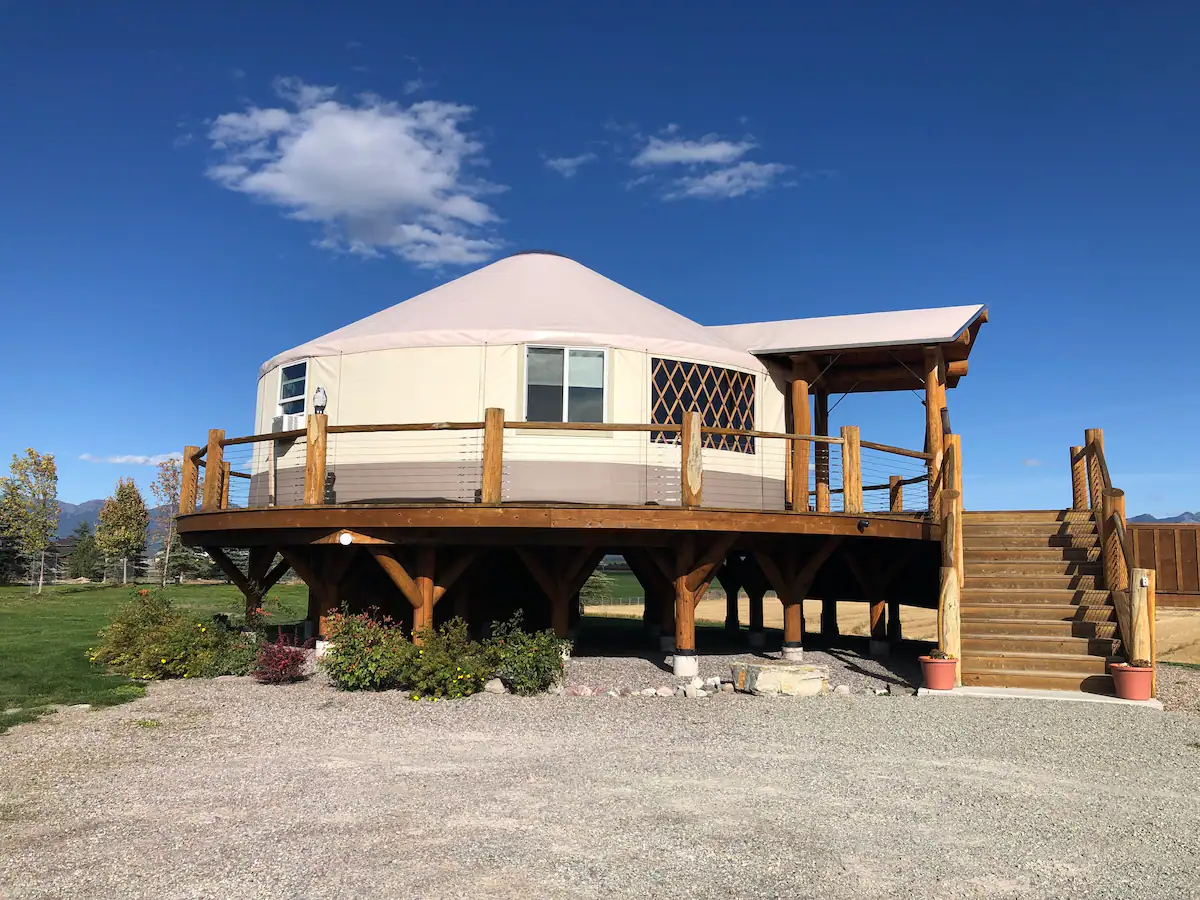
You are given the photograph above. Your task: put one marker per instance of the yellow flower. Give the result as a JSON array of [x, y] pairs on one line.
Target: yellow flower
[[164, 659]]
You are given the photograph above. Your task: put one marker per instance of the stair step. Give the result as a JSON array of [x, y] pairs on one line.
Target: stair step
[[1009, 541], [1023, 627], [1017, 516], [1034, 567], [1052, 681], [1029, 529], [997, 554], [1008, 661], [1045, 612], [1011, 597], [1038, 643], [1029, 582]]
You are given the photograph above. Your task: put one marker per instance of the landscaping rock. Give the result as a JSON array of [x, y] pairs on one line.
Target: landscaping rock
[[697, 682], [612, 694], [713, 681], [771, 678], [727, 687], [842, 690], [495, 686], [649, 692], [691, 691], [665, 691]]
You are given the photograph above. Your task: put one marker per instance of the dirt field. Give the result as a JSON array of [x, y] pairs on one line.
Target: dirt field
[[1178, 630]]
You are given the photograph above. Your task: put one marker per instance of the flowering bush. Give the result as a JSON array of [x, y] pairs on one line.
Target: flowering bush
[[280, 661], [527, 663], [151, 639], [365, 654], [447, 664]]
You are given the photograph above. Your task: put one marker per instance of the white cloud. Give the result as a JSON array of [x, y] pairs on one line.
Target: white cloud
[[1031, 463], [731, 181], [376, 175], [708, 149], [567, 166], [131, 459], [413, 85]]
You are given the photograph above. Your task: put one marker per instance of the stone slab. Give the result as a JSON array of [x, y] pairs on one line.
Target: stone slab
[[1004, 693], [775, 678]]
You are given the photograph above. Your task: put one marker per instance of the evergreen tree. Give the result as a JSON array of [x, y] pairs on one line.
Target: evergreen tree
[[85, 560], [121, 532]]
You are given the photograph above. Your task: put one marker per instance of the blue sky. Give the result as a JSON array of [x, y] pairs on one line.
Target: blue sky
[[733, 162]]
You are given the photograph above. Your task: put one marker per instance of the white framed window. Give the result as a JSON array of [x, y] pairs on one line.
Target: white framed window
[[293, 382], [565, 384]]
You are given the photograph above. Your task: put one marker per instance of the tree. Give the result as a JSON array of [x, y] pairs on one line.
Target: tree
[[30, 508], [121, 531], [85, 558], [166, 494]]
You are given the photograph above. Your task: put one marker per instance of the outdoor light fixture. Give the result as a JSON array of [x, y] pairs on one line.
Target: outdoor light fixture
[[863, 524], [319, 400]]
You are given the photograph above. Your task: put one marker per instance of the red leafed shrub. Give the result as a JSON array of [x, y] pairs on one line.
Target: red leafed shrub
[[280, 662]]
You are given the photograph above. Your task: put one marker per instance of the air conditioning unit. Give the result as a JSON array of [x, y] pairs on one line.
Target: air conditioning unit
[[292, 422]]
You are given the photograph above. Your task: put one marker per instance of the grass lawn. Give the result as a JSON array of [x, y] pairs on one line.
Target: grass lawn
[[44, 641]]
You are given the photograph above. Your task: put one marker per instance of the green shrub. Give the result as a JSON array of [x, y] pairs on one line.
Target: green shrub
[[365, 654], [447, 664], [526, 663], [150, 639]]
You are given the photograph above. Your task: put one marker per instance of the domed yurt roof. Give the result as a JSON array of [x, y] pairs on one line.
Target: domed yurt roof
[[530, 297]]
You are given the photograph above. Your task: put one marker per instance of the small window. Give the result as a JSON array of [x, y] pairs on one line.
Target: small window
[[291, 388], [564, 384]]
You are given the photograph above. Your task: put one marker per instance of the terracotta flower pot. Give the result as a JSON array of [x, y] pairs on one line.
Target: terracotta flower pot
[[938, 674], [1132, 682]]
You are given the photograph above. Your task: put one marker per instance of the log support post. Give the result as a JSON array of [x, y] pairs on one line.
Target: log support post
[[791, 579], [935, 401], [691, 460], [895, 494], [214, 466], [821, 450], [189, 480], [730, 577], [695, 566], [852, 470], [560, 572], [423, 577], [757, 635], [258, 578], [801, 424], [314, 459], [492, 489], [874, 577], [1079, 480], [949, 618], [830, 631], [323, 571], [659, 591]]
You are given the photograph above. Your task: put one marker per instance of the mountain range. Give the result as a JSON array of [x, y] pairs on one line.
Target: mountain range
[[71, 514], [1182, 518]]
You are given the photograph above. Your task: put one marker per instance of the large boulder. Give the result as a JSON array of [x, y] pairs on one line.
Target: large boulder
[[774, 678]]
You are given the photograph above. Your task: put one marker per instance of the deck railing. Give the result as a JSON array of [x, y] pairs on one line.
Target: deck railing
[[473, 462], [1132, 587], [946, 497]]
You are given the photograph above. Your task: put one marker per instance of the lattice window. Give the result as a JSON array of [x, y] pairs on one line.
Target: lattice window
[[723, 397]]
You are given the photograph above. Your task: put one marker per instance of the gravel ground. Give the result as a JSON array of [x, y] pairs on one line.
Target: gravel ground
[[227, 789]]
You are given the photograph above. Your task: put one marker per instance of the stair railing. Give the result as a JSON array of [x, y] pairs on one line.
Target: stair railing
[[1132, 587]]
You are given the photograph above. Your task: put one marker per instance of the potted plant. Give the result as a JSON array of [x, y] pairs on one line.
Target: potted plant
[[1133, 680], [938, 670]]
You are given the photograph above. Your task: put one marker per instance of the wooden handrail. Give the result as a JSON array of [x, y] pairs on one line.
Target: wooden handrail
[[1124, 539], [590, 426], [898, 451], [1097, 450]]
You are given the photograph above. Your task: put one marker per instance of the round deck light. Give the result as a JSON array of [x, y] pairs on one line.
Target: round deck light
[[345, 539]]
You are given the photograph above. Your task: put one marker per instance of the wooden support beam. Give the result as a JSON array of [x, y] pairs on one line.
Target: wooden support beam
[[189, 478], [710, 561], [1140, 591], [949, 618], [492, 489], [691, 460], [801, 424], [232, 572], [213, 468], [730, 579], [314, 459], [895, 493], [685, 601], [451, 572], [829, 620], [821, 449], [388, 561], [272, 578], [225, 479], [1079, 481], [424, 580], [851, 470], [935, 399]]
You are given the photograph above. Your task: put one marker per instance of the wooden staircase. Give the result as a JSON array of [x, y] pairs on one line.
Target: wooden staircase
[[1032, 615]]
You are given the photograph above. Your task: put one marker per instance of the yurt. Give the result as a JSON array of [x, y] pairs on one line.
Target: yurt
[[547, 340]]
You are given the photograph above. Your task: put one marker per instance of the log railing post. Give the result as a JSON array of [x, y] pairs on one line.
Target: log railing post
[[801, 424], [1141, 593], [935, 399], [691, 461], [821, 450], [189, 480], [1093, 445], [952, 535], [949, 619], [1079, 480], [314, 459], [1116, 567], [851, 470], [214, 460], [895, 493], [226, 468], [492, 489]]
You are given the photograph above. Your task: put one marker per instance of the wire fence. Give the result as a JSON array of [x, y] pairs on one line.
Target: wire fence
[[880, 495]]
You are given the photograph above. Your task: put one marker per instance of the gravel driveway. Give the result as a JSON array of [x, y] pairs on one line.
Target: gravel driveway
[[227, 789]]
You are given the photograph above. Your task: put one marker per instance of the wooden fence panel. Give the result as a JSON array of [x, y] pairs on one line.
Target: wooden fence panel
[[1173, 551]]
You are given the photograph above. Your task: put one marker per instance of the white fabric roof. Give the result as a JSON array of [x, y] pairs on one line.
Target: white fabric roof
[[527, 298], [908, 326]]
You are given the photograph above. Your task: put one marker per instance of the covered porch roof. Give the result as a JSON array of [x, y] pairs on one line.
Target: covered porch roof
[[868, 352]]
